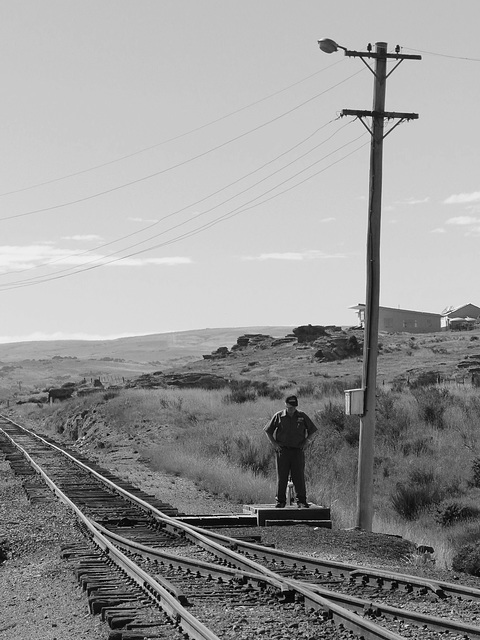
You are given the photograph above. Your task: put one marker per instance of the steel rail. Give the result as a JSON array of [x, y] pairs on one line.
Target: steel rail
[[358, 572], [155, 591], [200, 536], [316, 598], [208, 569], [373, 608], [312, 593], [353, 603], [194, 628]]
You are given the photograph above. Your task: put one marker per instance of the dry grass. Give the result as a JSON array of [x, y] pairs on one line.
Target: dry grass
[[423, 435], [222, 447]]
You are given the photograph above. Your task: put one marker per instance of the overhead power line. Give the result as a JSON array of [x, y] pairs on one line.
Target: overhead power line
[[203, 213], [197, 202], [442, 55], [238, 210], [168, 140], [179, 164]]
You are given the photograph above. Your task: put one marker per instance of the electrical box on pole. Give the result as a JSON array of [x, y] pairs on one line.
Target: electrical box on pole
[[354, 402]]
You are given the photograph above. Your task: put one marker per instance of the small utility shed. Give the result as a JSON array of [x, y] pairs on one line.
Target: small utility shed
[[403, 320], [458, 317]]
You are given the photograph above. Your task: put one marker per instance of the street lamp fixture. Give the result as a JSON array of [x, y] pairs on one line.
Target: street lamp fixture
[[329, 46]]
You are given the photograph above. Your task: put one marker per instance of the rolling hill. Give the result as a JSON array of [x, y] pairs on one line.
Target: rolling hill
[[35, 366], [158, 348]]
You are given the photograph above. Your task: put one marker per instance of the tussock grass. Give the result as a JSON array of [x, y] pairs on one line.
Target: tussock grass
[[427, 451], [426, 443], [213, 475]]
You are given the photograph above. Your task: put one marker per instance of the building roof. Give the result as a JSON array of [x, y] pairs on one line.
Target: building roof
[[454, 310], [359, 307]]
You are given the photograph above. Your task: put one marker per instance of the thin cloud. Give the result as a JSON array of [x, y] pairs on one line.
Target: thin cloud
[[30, 256], [149, 220], [141, 262], [414, 201], [328, 220], [463, 220], [463, 198], [82, 238], [294, 256], [409, 202], [474, 231], [438, 230]]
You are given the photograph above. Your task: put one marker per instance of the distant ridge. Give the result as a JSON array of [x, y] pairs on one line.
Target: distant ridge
[[156, 347]]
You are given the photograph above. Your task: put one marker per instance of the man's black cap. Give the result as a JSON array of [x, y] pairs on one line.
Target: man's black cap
[[292, 400]]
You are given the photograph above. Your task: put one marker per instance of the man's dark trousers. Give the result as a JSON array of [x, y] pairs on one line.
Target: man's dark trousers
[[291, 461]]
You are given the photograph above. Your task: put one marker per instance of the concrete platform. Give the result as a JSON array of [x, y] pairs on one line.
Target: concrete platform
[[268, 515]]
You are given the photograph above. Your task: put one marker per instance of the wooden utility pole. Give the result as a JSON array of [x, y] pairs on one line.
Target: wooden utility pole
[[370, 344], [364, 516]]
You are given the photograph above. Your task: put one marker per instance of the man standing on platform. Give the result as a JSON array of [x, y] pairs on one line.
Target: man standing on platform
[[290, 431]]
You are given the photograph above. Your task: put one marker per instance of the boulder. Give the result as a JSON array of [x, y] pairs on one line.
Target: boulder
[[309, 333], [195, 381]]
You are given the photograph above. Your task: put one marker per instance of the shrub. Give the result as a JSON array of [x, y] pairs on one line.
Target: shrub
[[265, 390], [452, 512], [409, 500], [239, 396], [332, 417], [251, 457], [391, 422], [307, 389], [419, 492], [337, 387], [425, 379], [432, 403], [249, 391], [467, 559], [476, 473], [398, 384], [420, 446]]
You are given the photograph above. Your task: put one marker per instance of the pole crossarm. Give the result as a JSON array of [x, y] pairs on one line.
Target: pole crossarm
[[401, 117], [381, 55], [379, 114], [373, 54]]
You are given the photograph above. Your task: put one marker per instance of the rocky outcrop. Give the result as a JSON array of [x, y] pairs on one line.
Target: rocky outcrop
[[471, 363], [195, 381], [251, 339], [309, 333], [221, 352], [147, 381], [189, 380], [287, 340], [333, 344], [338, 348]]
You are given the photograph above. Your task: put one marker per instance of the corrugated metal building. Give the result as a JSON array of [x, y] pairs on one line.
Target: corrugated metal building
[[465, 316], [402, 320]]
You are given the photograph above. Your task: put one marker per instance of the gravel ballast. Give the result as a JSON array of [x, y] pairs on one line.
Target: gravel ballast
[[41, 600]]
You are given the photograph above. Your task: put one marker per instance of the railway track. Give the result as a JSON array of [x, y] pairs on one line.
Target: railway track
[[151, 575]]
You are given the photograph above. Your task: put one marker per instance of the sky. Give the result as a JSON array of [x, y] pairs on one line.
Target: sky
[[170, 165]]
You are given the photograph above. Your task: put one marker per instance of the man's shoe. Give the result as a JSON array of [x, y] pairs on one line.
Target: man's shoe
[[303, 505], [280, 505]]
